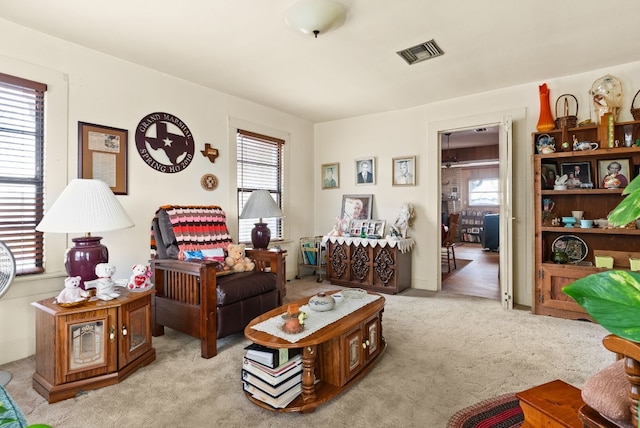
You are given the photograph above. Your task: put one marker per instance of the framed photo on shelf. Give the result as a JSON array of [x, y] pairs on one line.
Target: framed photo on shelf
[[548, 174], [613, 173], [372, 228], [356, 207], [404, 171], [366, 170], [330, 175], [578, 174], [102, 154]]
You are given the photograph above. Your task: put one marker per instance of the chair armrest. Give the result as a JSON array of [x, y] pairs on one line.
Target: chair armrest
[[622, 347], [271, 260]]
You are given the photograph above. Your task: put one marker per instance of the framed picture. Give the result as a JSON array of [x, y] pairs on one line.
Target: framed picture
[[404, 171], [102, 154], [578, 174], [548, 174], [330, 175], [372, 228], [366, 171], [356, 207], [613, 173]]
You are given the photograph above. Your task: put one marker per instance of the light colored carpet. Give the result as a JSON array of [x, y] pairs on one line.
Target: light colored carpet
[[445, 353]]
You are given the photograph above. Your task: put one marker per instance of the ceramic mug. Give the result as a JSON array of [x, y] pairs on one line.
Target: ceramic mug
[[585, 145]]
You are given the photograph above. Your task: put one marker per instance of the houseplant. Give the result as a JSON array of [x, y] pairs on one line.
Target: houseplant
[[612, 297]]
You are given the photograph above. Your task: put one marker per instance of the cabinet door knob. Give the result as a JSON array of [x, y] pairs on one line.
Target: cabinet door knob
[[112, 333], [124, 330]]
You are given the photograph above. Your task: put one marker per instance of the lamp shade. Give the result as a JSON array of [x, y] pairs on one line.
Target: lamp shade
[[314, 16], [85, 206], [260, 205]]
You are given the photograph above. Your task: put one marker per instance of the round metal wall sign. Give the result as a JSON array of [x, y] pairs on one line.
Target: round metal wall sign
[[164, 142]]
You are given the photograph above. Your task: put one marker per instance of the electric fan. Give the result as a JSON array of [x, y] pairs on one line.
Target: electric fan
[[7, 273]]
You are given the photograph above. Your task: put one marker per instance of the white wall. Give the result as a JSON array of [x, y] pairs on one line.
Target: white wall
[[87, 86], [415, 132]]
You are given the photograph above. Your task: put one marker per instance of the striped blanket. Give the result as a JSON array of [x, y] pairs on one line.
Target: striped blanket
[[194, 227]]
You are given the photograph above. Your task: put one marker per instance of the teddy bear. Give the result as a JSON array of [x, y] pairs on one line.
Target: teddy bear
[[105, 285], [236, 259], [140, 278], [72, 292]]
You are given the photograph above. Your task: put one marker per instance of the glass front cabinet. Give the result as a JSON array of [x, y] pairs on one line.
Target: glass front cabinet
[[90, 346]]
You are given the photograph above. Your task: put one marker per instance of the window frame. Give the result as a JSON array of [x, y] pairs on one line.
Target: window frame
[[19, 219], [276, 187], [497, 192]]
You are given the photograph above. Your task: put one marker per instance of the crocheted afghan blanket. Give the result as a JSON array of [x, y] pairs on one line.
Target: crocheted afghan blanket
[[194, 227]]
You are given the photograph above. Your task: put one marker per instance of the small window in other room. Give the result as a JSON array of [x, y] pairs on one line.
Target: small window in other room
[[260, 166], [21, 170], [484, 192]]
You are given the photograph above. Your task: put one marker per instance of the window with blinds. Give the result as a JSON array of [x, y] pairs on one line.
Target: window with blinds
[[21, 170], [260, 166]]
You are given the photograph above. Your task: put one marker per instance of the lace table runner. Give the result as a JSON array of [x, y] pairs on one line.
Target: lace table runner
[[316, 320], [403, 244]]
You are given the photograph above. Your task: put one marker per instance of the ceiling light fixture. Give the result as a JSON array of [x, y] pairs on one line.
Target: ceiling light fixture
[[314, 16], [448, 161]]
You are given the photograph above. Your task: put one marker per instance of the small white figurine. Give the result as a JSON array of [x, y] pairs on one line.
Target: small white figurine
[[105, 285], [140, 278], [72, 292], [403, 222]]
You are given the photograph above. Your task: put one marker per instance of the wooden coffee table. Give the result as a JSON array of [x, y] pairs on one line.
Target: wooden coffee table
[[338, 355]]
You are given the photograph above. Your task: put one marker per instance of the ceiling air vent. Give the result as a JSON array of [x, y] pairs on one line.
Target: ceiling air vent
[[421, 52]]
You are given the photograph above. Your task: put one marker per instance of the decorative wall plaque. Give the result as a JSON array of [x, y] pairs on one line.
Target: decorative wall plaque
[[209, 182], [164, 142]]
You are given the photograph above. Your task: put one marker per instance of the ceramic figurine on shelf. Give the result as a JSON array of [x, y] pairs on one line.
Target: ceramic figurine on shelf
[[403, 222]]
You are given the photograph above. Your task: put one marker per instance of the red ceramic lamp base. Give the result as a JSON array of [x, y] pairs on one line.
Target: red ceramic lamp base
[[82, 258], [260, 236]]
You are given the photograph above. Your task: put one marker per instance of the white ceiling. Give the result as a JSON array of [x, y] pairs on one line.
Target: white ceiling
[[244, 48]]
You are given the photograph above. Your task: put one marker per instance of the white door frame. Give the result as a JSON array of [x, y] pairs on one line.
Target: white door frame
[[507, 219]]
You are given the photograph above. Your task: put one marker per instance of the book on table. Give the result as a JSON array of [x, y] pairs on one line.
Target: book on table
[[273, 390], [273, 377], [278, 402], [270, 357]]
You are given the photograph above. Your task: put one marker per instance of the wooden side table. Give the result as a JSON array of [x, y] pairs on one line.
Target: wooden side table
[[552, 405], [86, 347]]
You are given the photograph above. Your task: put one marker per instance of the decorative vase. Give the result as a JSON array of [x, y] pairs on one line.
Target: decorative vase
[[322, 302], [545, 122]]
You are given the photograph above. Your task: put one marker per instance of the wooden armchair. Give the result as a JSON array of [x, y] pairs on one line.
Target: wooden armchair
[[611, 395], [194, 296]]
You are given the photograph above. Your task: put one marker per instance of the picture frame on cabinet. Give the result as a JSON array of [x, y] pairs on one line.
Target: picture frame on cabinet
[[330, 175], [366, 171], [613, 173], [578, 174], [404, 171], [356, 207], [548, 174]]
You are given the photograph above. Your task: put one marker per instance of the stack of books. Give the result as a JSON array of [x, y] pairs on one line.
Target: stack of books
[[273, 376]]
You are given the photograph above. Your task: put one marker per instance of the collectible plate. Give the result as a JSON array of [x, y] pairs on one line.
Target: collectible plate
[[575, 247]]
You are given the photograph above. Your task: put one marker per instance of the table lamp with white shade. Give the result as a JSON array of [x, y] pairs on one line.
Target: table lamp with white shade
[[85, 206], [260, 205]]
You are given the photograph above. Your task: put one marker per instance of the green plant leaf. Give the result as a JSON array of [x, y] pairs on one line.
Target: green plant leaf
[[612, 298], [629, 208]]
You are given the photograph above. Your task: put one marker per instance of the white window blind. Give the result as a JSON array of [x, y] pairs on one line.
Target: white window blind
[[21, 170], [260, 166]]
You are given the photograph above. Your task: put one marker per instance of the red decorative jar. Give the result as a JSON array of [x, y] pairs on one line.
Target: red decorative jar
[[545, 122]]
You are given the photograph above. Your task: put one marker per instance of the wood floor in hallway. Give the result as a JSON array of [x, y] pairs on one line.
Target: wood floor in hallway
[[478, 278]]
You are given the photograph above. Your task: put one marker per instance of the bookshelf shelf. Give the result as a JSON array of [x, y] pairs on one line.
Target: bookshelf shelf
[[312, 256]]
